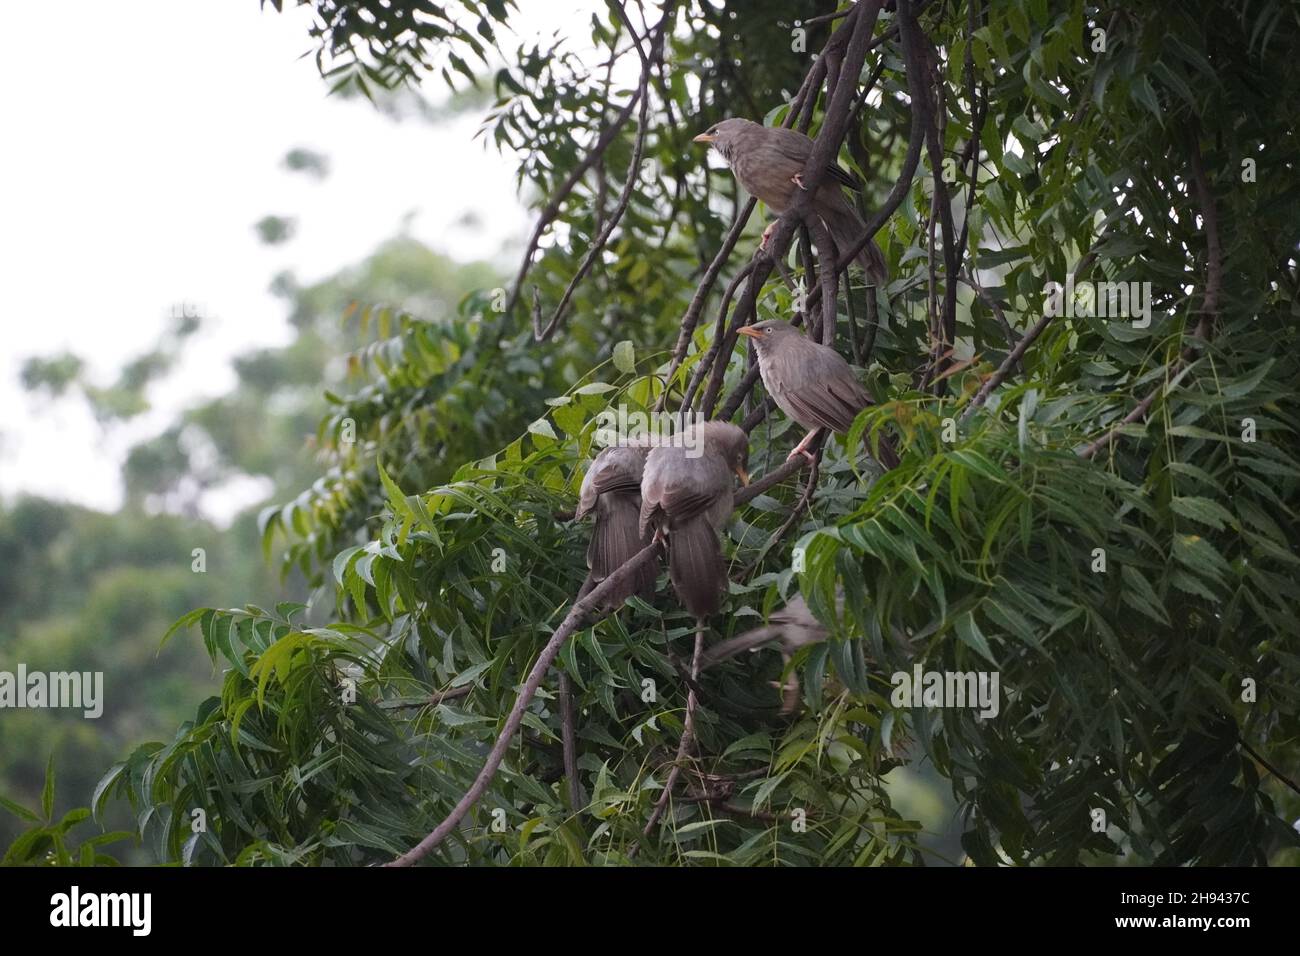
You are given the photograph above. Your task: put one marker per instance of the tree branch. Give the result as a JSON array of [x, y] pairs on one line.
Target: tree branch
[[688, 735], [572, 621]]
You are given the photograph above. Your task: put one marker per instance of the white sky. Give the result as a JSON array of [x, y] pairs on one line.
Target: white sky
[[142, 140]]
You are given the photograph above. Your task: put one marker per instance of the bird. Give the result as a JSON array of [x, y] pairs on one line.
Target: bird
[[769, 161], [811, 383], [686, 497], [611, 490], [790, 628]]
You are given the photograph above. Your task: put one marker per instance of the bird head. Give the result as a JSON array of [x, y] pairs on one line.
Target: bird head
[[770, 333], [724, 135], [729, 443]]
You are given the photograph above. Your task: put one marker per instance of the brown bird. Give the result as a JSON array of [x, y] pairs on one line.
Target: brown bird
[[768, 163], [811, 383], [611, 490], [790, 628], [686, 496]]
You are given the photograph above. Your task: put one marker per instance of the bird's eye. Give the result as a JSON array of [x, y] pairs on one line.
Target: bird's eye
[[768, 330]]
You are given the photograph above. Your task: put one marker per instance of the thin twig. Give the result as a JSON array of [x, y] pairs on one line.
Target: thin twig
[[453, 693], [692, 316], [597, 247], [569, 737], [688, 735], [629, 185], [1010, 362], [719, 336], [1268, 766], [827, 279], [805, 500], [560, 194]]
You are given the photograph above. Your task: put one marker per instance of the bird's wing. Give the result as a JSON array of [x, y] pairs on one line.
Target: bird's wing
[[791, 143], [616, 469], [797, 147], [821, 405], [795, 612], [692, 486], [844, 177]]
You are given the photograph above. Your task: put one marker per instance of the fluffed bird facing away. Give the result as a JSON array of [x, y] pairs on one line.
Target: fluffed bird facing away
[[686, 497], [611, 490], [811, 383], [790, 628], [768, 162]]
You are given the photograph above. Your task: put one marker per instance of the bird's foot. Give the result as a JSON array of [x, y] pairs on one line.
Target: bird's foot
[[797, 179], [767, 235], [802, 447]]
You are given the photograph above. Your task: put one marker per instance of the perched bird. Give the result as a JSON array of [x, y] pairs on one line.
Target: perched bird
[[686, 497], [790, 628], [768, 163], [611, 490], [811, 383]]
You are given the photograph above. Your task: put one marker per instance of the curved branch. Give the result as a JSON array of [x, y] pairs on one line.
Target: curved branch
[[1008, 363], [692, 316], [688, 735], [572, 621]]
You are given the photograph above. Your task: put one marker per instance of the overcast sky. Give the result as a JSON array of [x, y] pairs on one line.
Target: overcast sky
[[143, 140]]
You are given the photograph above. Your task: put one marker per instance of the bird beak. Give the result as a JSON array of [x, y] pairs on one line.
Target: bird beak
[[750, 331], [743, 475], [703, 138]]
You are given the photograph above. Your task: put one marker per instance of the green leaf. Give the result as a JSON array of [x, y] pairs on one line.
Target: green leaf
[[625, 357], [1203, 510], [970, 634], [47, 792], [543, 429], [18, 810]]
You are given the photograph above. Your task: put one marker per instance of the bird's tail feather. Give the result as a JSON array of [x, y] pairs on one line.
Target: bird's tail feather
[[846, 229], [614, 541], [696, 568]]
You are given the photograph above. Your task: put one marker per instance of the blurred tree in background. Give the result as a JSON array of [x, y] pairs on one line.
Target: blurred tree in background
[[88, 591]]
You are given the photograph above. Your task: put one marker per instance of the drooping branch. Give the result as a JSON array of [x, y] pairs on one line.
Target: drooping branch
[[630, 182], [1008, 363], [578, 614], [688, 735]]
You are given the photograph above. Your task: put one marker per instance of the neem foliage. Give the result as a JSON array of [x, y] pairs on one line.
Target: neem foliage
[[1138, 604]]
